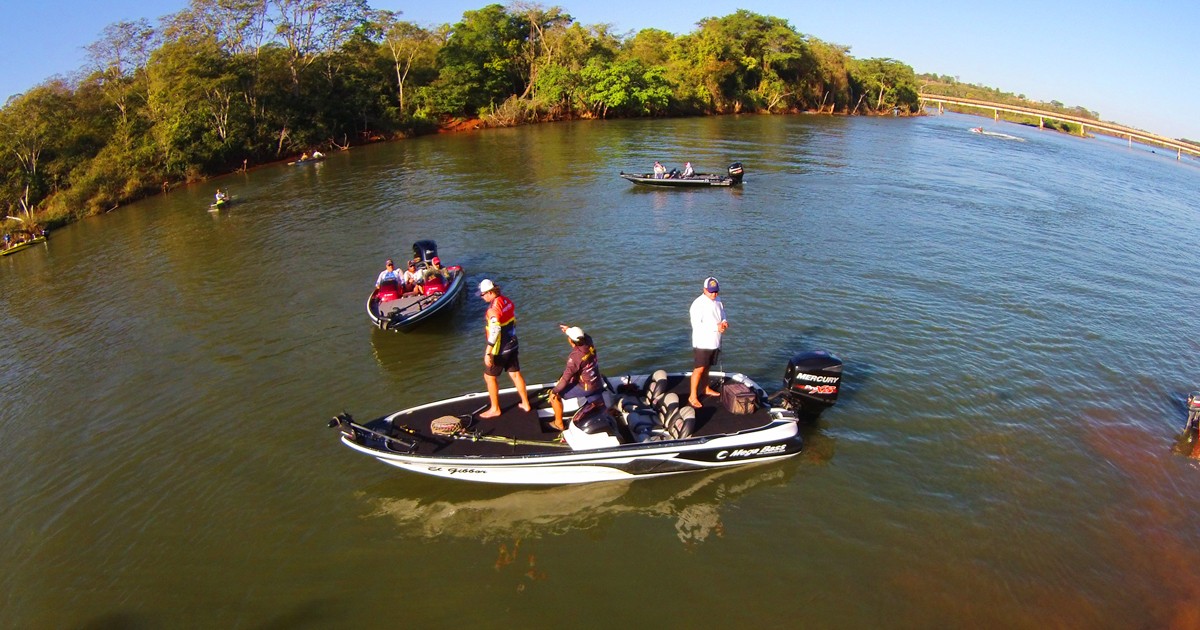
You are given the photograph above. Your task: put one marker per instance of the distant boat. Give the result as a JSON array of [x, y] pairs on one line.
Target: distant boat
[[26, 245], [222, 202], [315, 157], [995, 134], [701, 180]]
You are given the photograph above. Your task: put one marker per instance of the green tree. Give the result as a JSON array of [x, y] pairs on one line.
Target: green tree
[[479, 62]]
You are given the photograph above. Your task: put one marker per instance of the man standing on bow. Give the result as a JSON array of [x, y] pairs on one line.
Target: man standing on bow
[[500, 355], [708, 324]]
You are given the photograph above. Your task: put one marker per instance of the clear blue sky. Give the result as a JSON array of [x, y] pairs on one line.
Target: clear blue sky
[[1133, 62]]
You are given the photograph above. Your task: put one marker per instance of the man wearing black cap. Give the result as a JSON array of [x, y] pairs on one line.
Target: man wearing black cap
[[708, 323]]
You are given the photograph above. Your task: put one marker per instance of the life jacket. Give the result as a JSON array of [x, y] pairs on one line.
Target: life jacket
[[501, 326]]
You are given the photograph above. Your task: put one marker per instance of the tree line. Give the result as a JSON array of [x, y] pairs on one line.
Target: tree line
[[224, 83]]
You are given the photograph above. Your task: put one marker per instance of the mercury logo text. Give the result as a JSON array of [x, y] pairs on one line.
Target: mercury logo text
[[816, 378]]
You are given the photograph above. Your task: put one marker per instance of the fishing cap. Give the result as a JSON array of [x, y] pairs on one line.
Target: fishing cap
[[574, 333], [710, 285], [486, 285]]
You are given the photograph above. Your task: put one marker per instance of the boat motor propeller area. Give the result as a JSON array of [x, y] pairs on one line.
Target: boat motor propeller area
[[811, 382]]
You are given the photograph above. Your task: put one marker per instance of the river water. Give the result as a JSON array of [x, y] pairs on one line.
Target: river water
[[1016, 318]]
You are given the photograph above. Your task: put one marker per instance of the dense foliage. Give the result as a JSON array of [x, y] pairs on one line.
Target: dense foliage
[[225, 83]]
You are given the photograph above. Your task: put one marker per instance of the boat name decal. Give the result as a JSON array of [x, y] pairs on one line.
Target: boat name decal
[[816, 378], [750, 452], [458, 471]]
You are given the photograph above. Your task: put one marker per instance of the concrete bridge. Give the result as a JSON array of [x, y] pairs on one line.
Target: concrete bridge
[[1084, 123]]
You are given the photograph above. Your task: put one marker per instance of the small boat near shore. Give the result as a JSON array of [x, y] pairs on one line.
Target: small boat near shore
[[389, 308], [222, 203], [697, 180], [642, 430], [24, 245], [316, 157]]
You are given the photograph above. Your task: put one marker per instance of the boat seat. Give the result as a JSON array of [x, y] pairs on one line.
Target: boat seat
[[681, 424], [580, 440], [388, 290], [656, 388]]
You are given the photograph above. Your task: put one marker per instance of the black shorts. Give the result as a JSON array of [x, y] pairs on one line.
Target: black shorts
[[506, 362], [705, 357]]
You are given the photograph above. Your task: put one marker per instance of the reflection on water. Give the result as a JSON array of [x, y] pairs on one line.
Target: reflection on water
[[694, 509]]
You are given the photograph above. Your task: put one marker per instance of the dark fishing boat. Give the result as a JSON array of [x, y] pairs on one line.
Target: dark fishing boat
[[642, 430], [391, 309], [675, 180]]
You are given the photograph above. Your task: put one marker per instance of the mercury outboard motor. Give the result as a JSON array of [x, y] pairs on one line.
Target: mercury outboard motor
[[736, 172], [811, 382], [424, 250]]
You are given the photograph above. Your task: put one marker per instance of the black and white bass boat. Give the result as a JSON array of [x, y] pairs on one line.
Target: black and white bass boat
[[391, 309], [696, 180], [643, 430]]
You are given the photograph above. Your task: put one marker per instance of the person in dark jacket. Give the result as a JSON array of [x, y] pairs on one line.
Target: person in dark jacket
[[580, 378]]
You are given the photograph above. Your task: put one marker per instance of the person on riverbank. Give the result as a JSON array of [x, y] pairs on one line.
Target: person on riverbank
[[708, 324], [580, 379], [500, 354]]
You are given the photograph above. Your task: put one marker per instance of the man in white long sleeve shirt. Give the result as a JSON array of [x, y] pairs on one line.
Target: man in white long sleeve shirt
[[708, 323]]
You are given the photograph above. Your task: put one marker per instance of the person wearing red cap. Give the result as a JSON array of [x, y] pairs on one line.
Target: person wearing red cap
[[500, 355], [708, 324], [435, 268]]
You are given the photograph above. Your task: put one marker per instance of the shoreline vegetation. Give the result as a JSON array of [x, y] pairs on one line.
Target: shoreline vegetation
[[222, 87]]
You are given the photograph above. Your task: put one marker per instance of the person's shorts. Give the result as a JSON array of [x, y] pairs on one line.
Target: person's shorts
[[575, 392], [507, 362], [705, 357]]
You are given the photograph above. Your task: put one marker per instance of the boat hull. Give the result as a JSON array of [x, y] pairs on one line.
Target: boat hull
[[618, 463], [521, 448], [695, 181], [415, 309], [26, 245]]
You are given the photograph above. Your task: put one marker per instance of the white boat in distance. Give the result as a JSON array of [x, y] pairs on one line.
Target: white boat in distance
[[644, 432]]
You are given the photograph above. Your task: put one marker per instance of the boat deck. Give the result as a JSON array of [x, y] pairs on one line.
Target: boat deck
[[532, 430]]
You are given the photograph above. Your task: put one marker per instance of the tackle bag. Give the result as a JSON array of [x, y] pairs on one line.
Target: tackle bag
[[738, 398]]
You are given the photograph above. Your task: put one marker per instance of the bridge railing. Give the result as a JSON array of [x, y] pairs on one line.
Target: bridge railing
[[1143, 137]]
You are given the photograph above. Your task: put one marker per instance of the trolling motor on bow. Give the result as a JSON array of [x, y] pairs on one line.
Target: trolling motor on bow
[[811, 382]]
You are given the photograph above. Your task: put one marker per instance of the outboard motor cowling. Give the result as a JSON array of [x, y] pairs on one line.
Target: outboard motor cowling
[[424, 250], [812, 381], [736, 172]]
